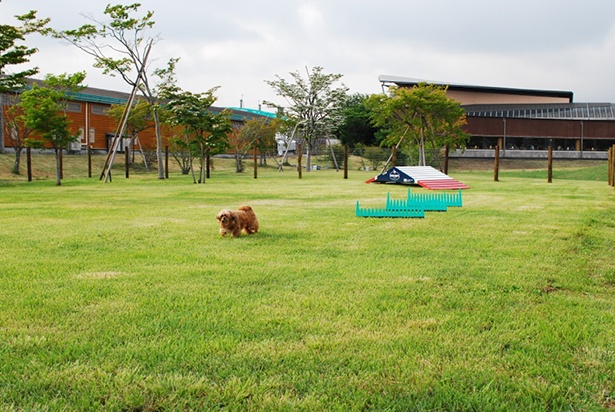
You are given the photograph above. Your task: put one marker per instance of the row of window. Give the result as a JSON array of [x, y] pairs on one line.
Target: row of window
[[531, 143], [76, 108]]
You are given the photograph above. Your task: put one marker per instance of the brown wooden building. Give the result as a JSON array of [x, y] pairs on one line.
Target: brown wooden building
[[525, 122], [87, 112]]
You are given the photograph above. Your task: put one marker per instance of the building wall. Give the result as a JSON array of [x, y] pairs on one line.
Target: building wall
[[92, 121], [545, 128], [471, 97]]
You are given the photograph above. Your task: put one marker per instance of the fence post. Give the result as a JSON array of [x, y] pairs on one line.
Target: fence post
[[610, 166], [29, 162], [299, 154], [127, 161], [255, 163], [345, 161], [550, 164], [89, 161], [496, 164], [166, 162]]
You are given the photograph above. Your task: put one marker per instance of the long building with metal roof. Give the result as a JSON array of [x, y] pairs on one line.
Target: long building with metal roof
[[524, 122]]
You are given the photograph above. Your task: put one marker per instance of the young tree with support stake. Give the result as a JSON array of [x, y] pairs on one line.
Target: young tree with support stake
[[314, 104], [119, 47], [424, 113]]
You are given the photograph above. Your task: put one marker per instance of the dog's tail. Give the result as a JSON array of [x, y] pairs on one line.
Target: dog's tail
[[245, 208]]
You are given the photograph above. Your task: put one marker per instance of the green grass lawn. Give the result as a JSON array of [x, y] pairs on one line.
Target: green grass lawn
[[122, 296]]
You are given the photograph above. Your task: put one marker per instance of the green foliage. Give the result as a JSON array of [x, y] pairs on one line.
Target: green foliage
[[258, 132], [424, 113], [205, 133], [44, 111], [356, 126], [12, 53], [140, 117]]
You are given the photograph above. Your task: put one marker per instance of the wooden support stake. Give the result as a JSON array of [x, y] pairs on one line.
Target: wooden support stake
[[166, 162], [127, 160], [89, 161], [446, 150], [255, 164], [345, 161], [394, 156], [29, 163], [299, 154], [610, 166], [550, 164], [496, 165]]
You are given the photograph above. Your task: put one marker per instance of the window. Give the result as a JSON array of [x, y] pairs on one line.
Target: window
[[73, 107], [98, 109]]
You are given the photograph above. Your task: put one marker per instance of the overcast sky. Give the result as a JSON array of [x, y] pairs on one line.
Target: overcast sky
[[535, 44]]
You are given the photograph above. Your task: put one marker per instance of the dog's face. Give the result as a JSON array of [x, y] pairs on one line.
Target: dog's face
[[226, 217]]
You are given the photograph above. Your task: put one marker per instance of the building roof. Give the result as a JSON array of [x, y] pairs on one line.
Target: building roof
[[408, 81], [571, 111]]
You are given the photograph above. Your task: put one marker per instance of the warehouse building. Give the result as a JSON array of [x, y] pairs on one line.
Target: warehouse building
[[524, 122]]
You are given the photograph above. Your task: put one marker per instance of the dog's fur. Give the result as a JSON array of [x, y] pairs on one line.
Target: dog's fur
[[234, 221]]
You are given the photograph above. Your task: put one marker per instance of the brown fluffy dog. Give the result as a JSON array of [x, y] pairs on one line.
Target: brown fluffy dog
[[234, 221]]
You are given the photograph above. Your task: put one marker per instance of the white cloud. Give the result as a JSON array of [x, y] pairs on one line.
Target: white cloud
[[551, 44]]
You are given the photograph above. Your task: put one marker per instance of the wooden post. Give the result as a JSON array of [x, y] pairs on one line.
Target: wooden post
[[127, 162], [299, 154], [550, 164], [89, 161], [496, 165], [29, 163], [612, 166], [166, 162], [61, 164], [446, 150], [345, 161], [207, 165], [394, 156], [255, 164]]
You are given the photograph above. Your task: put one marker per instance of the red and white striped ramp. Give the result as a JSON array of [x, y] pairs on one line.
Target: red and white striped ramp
[[424, 176]]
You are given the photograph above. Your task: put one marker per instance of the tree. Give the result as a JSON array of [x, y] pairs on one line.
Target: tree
[[12, 53], [119, 47], [260, 133], [314, 104], [425, 113], [44, 111], [356, 126], [204, 132]]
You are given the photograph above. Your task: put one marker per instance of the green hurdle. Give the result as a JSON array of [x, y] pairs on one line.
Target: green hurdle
[[415, 211], [414, 205], [449, 199], [428, 203]]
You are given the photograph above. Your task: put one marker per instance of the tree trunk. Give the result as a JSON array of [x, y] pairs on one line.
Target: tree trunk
[[58, 167], [308, 161], [238, 163], [192, 169], [159, 157], [202, 162], [17, 164]]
